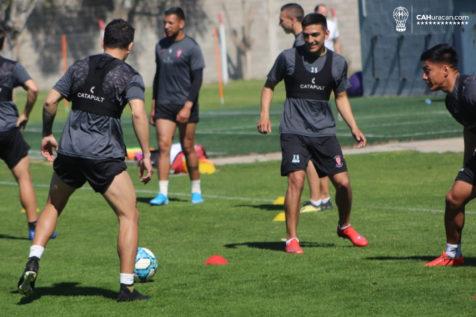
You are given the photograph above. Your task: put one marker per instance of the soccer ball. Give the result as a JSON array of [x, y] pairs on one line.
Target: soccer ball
[[146, 265]]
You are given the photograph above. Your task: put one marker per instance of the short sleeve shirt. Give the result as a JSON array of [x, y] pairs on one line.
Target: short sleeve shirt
[[93, 136], [461, 102], [176, 60], [12, 75], [307, 117]]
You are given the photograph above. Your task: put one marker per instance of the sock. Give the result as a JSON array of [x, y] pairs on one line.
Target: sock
[[315, 203], [344, 227], [289, 240], [36, 250], [126, 279], [325, 200], [453, 250], [164, 187], [32, 225], [196, 186]]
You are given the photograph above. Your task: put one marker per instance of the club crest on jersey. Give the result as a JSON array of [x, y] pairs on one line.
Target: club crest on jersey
[[178, 53], [296, 159], [339, 161]]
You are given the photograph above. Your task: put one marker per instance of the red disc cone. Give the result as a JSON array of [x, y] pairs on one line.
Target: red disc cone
[[216, 260]]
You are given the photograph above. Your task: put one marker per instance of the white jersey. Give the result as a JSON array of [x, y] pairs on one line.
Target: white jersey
[[333, 34]]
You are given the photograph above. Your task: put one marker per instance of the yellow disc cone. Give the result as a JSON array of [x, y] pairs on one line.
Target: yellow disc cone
[[280, 217], [279, 200]]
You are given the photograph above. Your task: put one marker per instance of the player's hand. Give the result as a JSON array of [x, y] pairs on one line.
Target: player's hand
[[183, 115], [264, 125], [48, 147], [22, 121], [359, 137], [145, 166]]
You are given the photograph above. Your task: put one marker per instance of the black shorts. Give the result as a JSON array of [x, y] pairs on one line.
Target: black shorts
[[169, 112], [324, 152], [468, 172], [75, 171], [13, 147]]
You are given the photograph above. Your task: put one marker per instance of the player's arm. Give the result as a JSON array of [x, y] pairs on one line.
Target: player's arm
[[155, 87], [275, 75], [48, 143], [196, 77], [31, 95], [141, 129], [337, 46], [264, 123], [345, 110]]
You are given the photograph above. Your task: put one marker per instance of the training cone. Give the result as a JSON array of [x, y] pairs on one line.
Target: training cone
[[280, 217], [216, 260], [279, 200]]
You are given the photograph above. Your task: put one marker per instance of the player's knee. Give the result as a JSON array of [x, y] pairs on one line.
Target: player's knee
[[343, 184], [454, 201], [188, 148], [164, 146], [296, 180]]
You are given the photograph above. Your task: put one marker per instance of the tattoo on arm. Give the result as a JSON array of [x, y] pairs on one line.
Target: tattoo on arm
[[48, 119]]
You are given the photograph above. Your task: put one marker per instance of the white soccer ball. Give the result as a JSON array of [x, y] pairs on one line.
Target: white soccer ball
[[146, 265]]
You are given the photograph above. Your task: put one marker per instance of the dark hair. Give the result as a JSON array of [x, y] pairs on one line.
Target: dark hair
[[314, 18], [118, 34], [441, 53], [295, 10], [177, 11], [3, 36], [316, 8]]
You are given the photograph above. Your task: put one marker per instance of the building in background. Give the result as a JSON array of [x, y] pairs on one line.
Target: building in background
[[394, 33], [253, 36]]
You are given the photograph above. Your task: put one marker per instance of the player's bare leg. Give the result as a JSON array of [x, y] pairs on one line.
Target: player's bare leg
[[343, 188], [57, 199], [121, 196], [187, 141], [165, 133], [21, 172], [291, 207]]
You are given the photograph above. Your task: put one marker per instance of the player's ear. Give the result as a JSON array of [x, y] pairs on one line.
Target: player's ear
[[130, 46], [446, 70], [182, 24]]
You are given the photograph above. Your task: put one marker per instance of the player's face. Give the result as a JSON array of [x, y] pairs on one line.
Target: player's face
[[314, 36], [173, 25], [286, 22], [434, 74]]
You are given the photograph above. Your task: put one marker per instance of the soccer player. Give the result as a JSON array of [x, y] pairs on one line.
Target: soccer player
[[307, 128], [13, 148], [290, 20], [440, 72], [92, 148], [332, 41], [176, 86]]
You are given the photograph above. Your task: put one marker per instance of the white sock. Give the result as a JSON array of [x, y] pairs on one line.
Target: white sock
[[196, 186], [289, 240], [315, 203], [344, 227], [164, 187], [453, 250], [325, 200], [36, 250], [126, 278]]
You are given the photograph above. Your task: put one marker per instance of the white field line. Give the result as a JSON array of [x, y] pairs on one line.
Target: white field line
[[257, 199]]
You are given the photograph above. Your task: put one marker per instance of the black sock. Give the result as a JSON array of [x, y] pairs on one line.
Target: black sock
[[31, 225]]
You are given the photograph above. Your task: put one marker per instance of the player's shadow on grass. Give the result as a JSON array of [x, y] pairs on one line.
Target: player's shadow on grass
[[268, 207], [471, 261], [145, 200], [9, 237], [67, 289], [277, 245]]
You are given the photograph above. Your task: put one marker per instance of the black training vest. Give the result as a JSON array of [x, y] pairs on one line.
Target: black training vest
[[6, 92], [305, 85], [90, 97]]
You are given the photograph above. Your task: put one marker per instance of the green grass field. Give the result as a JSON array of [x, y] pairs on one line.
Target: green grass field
[[230, 129], [398, 206]]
